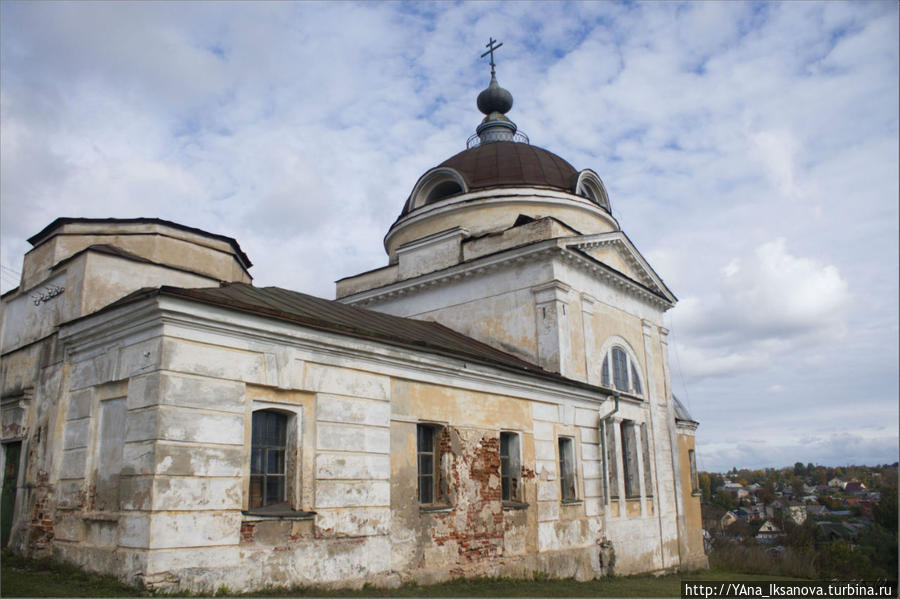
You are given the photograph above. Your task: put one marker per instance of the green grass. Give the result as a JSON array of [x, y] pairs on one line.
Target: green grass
[[623, 586], [45, 578]]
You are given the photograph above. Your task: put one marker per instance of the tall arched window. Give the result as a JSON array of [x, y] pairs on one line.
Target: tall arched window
[[620, 371]]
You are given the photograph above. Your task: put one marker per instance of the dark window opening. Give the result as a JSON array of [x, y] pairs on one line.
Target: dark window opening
[[427, 457], [267, 459], [620, 369], [510, 468], [442, 190], [629, 460], [611, 460], [615, 372], [567, 469]]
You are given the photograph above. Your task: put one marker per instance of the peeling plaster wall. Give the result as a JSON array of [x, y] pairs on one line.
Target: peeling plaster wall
[[182, 389], [160, 243], [189, 393]]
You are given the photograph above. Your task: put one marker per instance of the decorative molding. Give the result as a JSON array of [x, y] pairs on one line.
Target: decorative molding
[[499, 196], [50, 291], [434, 238], [632, 256], [553, 247], [554, 291], [168, 314]]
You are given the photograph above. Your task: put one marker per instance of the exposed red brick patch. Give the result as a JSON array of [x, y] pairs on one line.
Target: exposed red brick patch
[[247, 529], [479, 538]]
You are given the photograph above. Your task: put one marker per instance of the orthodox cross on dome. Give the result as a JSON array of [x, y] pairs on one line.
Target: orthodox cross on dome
[[491, 47]]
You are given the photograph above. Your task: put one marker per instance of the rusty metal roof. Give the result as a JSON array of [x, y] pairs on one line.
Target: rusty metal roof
[[335, 317], [511, 163]]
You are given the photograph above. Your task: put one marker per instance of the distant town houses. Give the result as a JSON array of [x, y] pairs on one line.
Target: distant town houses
[[769, 532], [793, 517], [839, 507], [855, 487]]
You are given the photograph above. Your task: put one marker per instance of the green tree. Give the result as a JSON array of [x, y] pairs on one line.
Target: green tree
[[820, 476], [723, 499], [885, 512], [705, 487], [880, 546], [767, 493], [838, 561], [799, 469], [802, 536]]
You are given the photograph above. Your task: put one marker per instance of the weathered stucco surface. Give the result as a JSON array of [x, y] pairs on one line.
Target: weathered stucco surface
[[136, 422]]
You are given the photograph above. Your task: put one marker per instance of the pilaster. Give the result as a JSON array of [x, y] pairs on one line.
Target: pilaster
[[587, 323], [553, 339]]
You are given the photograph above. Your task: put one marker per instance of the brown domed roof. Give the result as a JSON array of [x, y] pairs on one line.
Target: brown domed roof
[[512, 163]]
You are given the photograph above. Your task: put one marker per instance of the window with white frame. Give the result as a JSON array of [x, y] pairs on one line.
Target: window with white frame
[[620, 371]]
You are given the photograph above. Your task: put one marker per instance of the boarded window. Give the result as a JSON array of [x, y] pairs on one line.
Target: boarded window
[[109, 455], [427, 457], [567, 469], [611, 461], [629, 460], [267, 459], [510, 468], [645, 453]]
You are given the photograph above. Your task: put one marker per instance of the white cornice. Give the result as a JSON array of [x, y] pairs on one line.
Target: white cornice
[[183, 318], [499, 196], [632, 256], [97, 332], [453, 273], [558, 247]]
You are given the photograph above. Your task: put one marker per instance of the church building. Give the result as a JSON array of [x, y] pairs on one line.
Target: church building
[[495, 401]]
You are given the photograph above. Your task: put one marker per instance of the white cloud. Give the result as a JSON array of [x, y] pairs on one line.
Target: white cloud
[[766, 304], [750, 150]]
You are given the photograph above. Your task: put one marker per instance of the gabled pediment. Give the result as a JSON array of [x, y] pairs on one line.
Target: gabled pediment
[[616, 251]]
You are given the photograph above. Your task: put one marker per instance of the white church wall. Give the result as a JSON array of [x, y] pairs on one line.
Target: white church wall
[[190, 375]]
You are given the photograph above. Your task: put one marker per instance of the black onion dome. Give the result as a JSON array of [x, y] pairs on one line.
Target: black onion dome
[[507, 163], [494, 99]]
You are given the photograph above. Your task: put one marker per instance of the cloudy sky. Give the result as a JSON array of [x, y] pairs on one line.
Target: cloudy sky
[[750, 152]]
